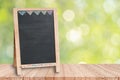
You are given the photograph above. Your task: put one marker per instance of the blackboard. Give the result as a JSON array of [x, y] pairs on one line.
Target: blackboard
[[37, 44], [36, 34]]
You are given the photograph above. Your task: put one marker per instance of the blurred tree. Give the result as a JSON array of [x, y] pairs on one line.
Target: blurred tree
[[89, 30]]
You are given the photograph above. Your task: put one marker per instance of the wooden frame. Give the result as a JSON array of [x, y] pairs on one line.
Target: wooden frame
[[17, 59]]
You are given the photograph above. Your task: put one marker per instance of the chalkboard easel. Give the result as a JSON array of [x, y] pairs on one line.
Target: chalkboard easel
[[35, 38]]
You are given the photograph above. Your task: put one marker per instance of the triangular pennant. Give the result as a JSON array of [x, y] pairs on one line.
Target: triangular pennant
[[37, 12], [43, 12], [29, 12], [50, 12], [22, 12]]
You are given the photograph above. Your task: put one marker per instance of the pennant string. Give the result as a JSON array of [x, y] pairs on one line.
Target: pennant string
[[49, 12], [43, 12], [37, 12], [22, 12], [30, 12]]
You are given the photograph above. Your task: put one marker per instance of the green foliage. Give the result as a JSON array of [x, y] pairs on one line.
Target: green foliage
[[89, 30]]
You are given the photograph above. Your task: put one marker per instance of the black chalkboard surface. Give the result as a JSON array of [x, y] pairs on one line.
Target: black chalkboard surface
[[37, 42], [35, 36]]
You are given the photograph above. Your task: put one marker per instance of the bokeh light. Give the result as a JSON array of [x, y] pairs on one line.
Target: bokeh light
[[74, 36], [109, 6], [68, 15]]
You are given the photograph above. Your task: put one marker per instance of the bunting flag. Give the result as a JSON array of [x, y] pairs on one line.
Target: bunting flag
[[29, 12], [22, 12], [37, 12], [50, 12], [44, 12]]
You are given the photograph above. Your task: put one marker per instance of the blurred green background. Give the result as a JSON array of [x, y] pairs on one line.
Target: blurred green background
[[89, 30]]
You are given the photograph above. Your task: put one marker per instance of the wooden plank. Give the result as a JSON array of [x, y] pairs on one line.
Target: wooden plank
[[50, 74], [27, 9], [41, 73], [12, 75], [24, 73], [4, 70], [68, 72], [31, 74], [112, 69], [103, 73], [78, 72], [56, 41], [91, 69], [17, 44], [87, 72], [38, 65], [108, 71], [59, 76]]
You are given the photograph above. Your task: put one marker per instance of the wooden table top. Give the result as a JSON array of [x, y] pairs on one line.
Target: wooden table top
[[68, 72]]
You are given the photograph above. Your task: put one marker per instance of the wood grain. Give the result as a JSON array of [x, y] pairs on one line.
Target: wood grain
[[56, 41], [68, 72], [17, 60]]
